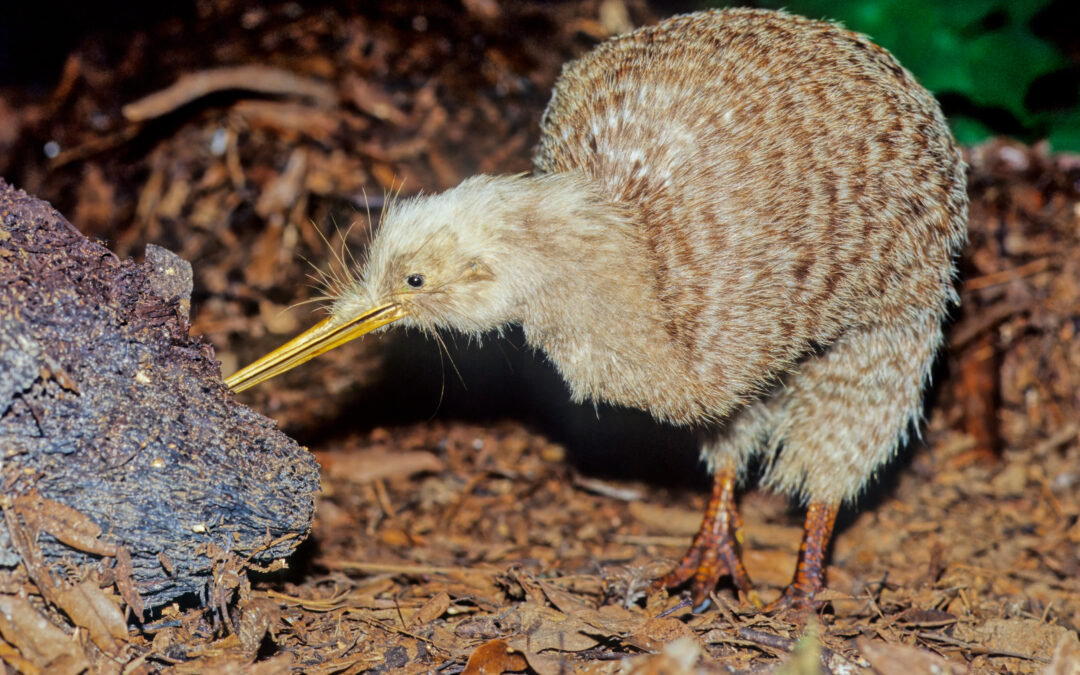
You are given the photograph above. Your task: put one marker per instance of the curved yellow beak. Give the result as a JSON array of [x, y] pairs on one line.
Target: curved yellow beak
[[319, 339]]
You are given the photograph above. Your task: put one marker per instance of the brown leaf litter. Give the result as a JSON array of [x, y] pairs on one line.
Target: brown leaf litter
[[455, 545]]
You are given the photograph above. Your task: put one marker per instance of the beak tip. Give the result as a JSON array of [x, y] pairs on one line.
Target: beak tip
[[320, 338]]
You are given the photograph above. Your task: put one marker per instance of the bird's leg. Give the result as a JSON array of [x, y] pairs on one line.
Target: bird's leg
[[714, 552], [810, 570]]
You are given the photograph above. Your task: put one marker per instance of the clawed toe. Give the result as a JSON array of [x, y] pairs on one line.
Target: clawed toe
[[793, 600], [801, 595], [714, 554]]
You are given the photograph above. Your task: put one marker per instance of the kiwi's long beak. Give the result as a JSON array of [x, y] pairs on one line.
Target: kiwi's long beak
[[319, 339]]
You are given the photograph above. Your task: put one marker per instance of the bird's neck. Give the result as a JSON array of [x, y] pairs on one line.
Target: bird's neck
[[592, 303]]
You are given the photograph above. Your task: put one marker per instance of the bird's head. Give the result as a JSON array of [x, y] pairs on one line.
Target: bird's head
[[440, 261]]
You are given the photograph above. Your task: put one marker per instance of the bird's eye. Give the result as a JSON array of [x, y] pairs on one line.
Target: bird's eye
[[415, 280]]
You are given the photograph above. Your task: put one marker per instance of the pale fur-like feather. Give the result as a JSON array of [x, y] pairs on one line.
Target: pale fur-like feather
[[742, 220]]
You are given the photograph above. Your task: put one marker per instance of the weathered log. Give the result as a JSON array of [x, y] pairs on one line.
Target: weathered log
[[109, 406]]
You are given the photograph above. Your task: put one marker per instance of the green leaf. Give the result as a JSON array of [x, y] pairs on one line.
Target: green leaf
[[983, 50], [969, 130], [1065, 134]]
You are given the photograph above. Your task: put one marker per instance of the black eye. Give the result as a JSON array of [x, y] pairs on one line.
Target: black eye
[[415, 280]]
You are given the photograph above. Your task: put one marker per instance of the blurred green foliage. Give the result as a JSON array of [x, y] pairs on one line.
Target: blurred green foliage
[[981, 56]]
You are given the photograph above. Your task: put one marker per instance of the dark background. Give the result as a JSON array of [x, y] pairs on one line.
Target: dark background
[[1008, 67]]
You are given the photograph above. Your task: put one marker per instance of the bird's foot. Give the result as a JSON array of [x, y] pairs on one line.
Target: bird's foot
[[714, 552], [794, 599], [809, 579], [707, 561]]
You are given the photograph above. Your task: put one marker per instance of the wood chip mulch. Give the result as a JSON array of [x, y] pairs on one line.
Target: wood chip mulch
[[447, 543]]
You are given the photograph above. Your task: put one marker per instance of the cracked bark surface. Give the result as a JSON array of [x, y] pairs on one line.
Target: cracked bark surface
[[109, 406]]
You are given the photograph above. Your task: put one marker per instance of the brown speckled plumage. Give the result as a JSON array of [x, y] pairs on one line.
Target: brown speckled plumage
[[741, 220], [803, 201]]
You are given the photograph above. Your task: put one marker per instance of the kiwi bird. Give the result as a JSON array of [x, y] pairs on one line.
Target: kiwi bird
[[743, 221]]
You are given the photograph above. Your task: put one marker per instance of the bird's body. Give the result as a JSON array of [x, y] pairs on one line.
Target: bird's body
[[740, 220], [794, 185]]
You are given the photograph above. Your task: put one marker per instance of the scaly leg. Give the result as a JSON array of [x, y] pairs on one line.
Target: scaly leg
[[810, 570], [714, 552]]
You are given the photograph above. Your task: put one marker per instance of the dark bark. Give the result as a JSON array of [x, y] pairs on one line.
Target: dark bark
[[109, 406]]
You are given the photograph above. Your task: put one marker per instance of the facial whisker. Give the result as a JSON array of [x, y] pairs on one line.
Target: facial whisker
[[317, 298], [330, 286], [347, 251], [442, 373], [450, 358]]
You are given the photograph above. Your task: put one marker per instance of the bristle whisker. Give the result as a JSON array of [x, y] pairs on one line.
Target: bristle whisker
[[347, 250], [326, 280], [442, 373], [450, 358], [318, 298]]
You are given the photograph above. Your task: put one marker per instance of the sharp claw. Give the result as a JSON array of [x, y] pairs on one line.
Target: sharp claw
[[792, 600], [676, 608]]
